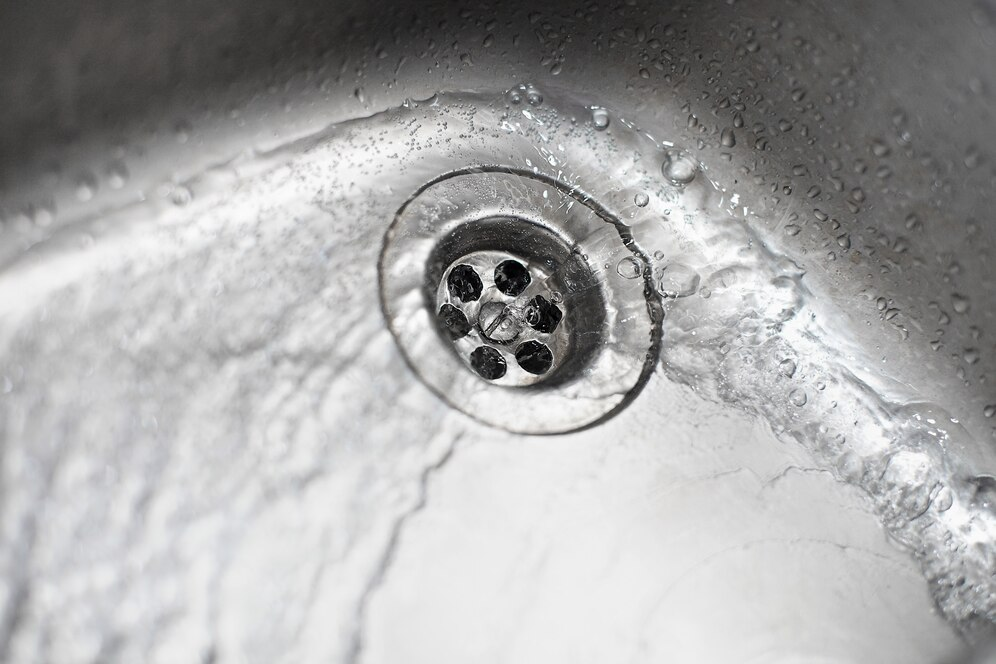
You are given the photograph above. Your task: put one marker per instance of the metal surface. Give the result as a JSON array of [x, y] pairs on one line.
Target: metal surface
[[213, 450]]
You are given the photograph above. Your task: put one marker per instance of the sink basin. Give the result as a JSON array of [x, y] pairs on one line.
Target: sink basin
[[370, 332]]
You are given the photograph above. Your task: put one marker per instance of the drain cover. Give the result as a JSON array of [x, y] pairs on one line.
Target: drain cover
[[519, 301]]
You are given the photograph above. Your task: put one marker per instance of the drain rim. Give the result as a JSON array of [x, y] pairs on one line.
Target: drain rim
[[571, 404]]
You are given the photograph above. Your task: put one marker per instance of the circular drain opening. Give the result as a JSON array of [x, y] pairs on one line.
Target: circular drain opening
[[519, 301], [514, 282]]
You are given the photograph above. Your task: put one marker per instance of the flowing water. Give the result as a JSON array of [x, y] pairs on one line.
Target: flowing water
[[190, 378]]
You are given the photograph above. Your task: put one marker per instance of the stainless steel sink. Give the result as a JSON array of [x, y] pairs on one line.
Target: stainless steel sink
[[731, 264]]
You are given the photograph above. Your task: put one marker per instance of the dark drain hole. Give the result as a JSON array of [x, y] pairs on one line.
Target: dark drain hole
[[534, 357], [455, 321], [488, 363], [543, 315], [464, 283], [512, 277]]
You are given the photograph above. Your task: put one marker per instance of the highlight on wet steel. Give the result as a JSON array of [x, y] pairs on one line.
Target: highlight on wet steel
[[370, 332]]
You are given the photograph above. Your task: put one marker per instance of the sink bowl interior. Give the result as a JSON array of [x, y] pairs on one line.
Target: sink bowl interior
[[215, 449]]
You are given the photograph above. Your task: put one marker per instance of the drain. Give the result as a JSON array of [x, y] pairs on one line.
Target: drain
[[504, 292], [507, 308]]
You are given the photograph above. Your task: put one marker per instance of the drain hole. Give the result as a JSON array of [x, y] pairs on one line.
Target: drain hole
[[464, 284], [454, 321], [512, 277], [488, 363], [534, 357], [543, 315]]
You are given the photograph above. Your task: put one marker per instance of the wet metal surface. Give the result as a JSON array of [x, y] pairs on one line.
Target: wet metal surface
[[213, 450]]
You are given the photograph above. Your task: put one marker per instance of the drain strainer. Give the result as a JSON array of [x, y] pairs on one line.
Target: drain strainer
[[519, 301]]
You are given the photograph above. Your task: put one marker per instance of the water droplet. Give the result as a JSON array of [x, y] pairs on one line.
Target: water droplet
[[117, 175], [787, 367], [944, 499], [182, 131], [728, 138], [43, 215], [86, 187], [181, 195], [850, 465], [678, 280], [798, 397], [629, 268], [792, 229], [360, 94], [971, 355], [972, 157], [534, 97], [599, 118], [990, 410], [879, 148], [960, 303], [679, 167], [844, 241], [641, 199]]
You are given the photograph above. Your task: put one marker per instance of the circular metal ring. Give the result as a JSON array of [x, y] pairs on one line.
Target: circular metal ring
[[480, 341]]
